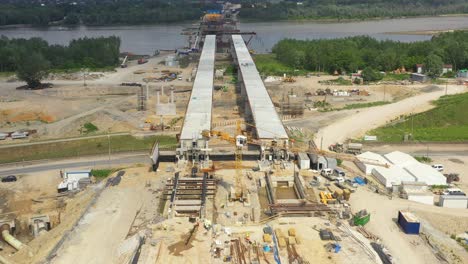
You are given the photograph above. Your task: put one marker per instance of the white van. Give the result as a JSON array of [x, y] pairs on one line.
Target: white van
[[438, 167], [326, 172]]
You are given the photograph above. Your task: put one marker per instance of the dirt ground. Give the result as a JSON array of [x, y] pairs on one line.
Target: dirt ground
[[61, 111], [303, 85], [410, 248], [337, 127], [35, 194], [455, 164]]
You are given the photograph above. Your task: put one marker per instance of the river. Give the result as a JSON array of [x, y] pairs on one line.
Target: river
[[147, 38]]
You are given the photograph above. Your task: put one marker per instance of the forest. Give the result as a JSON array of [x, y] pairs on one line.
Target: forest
[[351, 9], [93, 12], [98, 12], [85, 52], [357, 53]]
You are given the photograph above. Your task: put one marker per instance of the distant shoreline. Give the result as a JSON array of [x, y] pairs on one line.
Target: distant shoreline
[[425, 32], [242, 20]]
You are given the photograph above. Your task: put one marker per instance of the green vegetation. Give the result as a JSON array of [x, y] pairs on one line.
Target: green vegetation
[[370, 75], [356, 53], [83, 147], [349, 9], [165, 11], [99, 12], [325, 106], [339, 162], [90, 128], [446, 122], [268, 64], [337, 81], [396, 77], [33, 59], [363, 105], [423, 159], [32, 68], [80, 53], [102, 173], [230, 70]]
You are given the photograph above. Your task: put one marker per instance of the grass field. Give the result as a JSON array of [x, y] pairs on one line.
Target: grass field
[[396, 77], [267, 64], [448, 121], [82, 147]]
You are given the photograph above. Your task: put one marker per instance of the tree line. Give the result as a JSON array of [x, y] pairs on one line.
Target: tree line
[[99, 12], [94, 12], [349, 9], [32, 58], [357, 53]]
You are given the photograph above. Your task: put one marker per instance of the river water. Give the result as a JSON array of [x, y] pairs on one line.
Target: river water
[[147, 38]]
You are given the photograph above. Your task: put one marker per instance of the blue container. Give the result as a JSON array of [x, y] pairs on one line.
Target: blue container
[[337, 248], [359, 180], [409, 223]]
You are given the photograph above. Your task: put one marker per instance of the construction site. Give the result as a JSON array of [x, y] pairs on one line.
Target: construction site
[[249, 182]]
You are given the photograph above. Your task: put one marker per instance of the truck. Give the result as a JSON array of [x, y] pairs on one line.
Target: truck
[[352, 148], [142, 61], [19, 134], [124, 62]]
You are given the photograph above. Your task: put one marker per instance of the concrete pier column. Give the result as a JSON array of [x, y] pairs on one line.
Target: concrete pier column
[[172, 95]]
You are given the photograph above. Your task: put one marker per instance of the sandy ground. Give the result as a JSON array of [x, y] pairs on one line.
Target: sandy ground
[[455, 164], [363, 120], [100, 232], [61, 111], [405, 248]]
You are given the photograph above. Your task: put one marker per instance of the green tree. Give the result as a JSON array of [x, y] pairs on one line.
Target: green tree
[[71, 19], [32, 68], [433, 65], [370, 75]]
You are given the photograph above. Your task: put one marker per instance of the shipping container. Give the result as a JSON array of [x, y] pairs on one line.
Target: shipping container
[[303, 161], [361, 218], [454, 201], [408, 222]]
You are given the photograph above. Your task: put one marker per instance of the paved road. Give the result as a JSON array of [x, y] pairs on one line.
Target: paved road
[[61, 140], [440, 150], [87, 162]]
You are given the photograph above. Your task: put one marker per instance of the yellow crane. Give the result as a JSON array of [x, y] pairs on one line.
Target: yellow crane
[[239, 141]]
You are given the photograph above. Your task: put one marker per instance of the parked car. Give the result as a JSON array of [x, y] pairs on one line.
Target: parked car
[[351, 183], [9, 178], [340, 179], [339, 172], [438, 167]]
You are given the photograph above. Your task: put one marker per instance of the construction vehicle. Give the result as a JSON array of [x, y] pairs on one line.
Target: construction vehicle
[[352, 148], [289, 79], [240, 141], [142, 61], [124, 62], [326, 198]]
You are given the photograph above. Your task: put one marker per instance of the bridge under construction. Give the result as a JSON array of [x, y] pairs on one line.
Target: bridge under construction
[[259, 111]]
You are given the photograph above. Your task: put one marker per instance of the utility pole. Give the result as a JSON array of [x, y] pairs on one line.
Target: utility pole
[[84, 77], [384, 92], [109, 144], [446, 84]]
